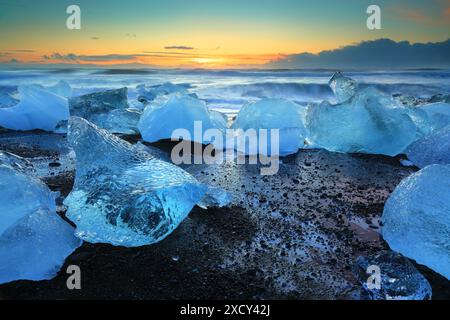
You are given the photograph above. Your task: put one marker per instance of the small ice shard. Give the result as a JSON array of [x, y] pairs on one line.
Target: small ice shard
[[122, 195], [178, 111], [438, 113], [37, 109], [219, 117], [215, 197], [400, 280], [431, 149], [147, 94], [34, 240], [271, 114], [369, 122], [416, 218], [107, 109], [343, 87], [406, 163]]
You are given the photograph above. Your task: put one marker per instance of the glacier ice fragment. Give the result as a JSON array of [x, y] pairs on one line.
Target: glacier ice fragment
[[123, 195], [37, 109], [34, 240], [416, 218], [400, 280]]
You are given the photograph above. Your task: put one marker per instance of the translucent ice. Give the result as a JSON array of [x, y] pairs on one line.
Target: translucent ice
[[178, 111], [215, 197], [438, 113], [343, 87], [62, 88], [122, 195], [369, 122], [37, 109], [270, 114], [432, 149], [34, 240], [416, 218], [122, 121], [147, 94], [107, 109], [400, 280]]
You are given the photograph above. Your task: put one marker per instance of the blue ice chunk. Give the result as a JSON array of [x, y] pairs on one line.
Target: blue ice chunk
[[177, 111], [343, 87], [215, 197], [34, 240], [271, 114], [123, 195], [438, 113], [400, 280], [107, 109], [416, 218], [369, 122], [37, 109], [431, 149]]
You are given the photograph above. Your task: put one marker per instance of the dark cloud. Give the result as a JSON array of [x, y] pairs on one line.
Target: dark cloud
[[381, 53], [95, 38], [178, 48]]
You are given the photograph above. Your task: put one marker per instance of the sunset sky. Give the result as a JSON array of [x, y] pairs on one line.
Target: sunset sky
[[205, 33]]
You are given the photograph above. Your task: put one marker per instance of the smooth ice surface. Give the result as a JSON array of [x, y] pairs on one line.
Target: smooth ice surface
[[369, 122], [432, 149], [416, 218], [37, 109], [271, 114], [34, 240], [343, 87], [122, 195], [178, 111], [400, 280], [438, 113], [107, 109]]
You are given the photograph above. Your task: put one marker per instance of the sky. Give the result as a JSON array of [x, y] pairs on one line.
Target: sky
[[205, 33]]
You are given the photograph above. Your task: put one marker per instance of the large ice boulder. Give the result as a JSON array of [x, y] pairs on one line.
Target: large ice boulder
[[343, 87], [269, 114], [123, 195], [34, 240], [431, 149], [38, 109], [178, 111], [369, 122], [107, 109], [400, 280], [416, 218]]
